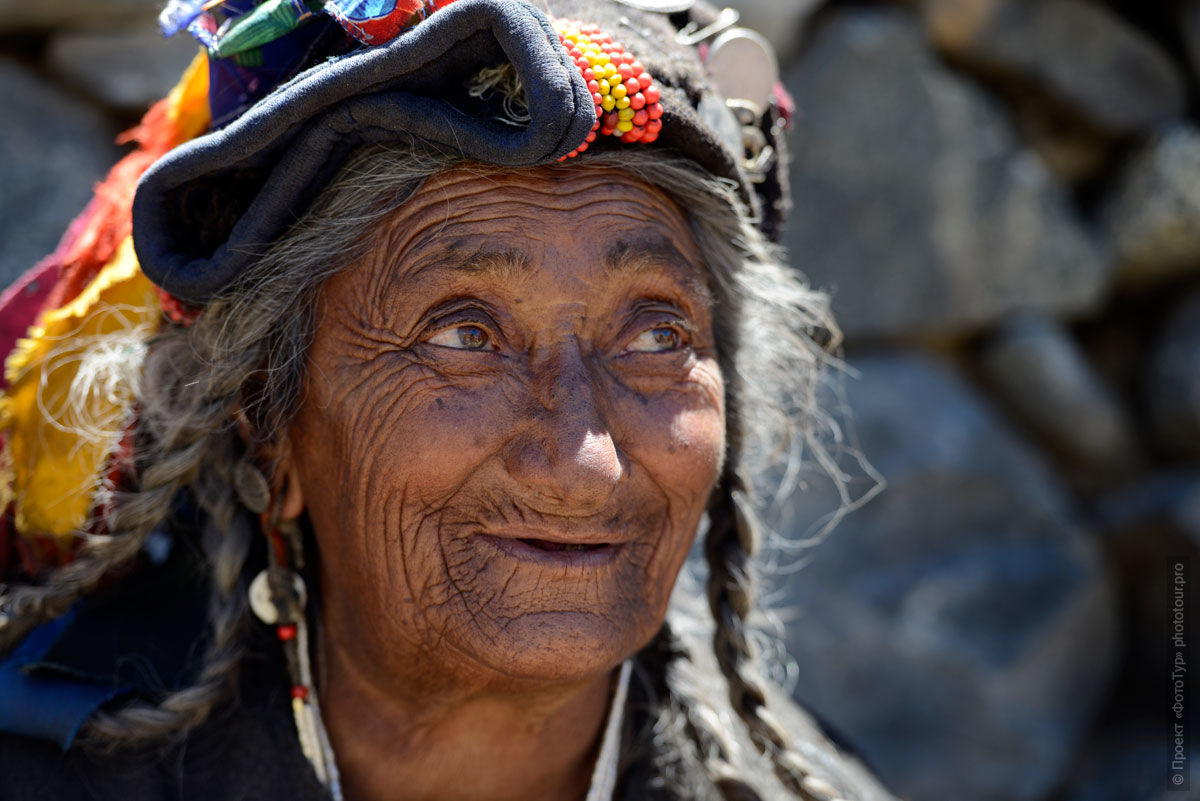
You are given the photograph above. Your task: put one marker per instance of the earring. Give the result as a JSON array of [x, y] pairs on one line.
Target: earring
[[278, 598]]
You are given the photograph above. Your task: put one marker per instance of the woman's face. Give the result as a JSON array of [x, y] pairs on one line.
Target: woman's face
[[512, 422]]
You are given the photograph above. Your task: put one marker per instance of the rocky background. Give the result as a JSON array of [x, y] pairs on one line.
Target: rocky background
[[1004, 197]]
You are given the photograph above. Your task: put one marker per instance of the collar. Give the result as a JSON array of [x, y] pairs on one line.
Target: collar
[[604, 775]]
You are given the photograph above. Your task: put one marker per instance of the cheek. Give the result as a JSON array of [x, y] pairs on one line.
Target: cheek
[[678, 439], [381, 448], [679, 435]]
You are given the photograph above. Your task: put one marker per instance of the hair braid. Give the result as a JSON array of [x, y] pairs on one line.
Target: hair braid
[[731, 542]]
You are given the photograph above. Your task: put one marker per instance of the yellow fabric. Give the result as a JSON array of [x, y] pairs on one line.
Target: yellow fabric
[[59, 440], [189, 109], [58, 443]]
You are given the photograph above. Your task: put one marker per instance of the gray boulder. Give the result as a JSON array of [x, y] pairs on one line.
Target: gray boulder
[[1154, 212], [1078, 54], [52, 151], [25, 15], [913, 200], [129, 69], [1044, 380], [959, 628], [1173, 383]]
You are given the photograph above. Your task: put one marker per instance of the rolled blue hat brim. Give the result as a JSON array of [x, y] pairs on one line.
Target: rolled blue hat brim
[[255, 177]]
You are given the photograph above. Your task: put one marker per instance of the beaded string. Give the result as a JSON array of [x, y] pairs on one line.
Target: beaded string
[[278, 597]]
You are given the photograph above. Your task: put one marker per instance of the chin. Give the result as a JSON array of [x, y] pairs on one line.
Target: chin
[[565, 646]]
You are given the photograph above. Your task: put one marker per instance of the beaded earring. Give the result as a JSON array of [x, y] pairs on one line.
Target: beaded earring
[[278, 597]]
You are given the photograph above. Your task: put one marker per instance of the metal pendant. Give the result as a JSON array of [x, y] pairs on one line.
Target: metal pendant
[[743, 67], [264, 606], [661, 6]]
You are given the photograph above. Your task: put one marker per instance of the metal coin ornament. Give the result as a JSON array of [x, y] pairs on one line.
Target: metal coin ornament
[[263, 606], [743, 67], [661, 6]]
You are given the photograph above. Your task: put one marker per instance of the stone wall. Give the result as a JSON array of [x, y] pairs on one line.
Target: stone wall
[[1004, 198]]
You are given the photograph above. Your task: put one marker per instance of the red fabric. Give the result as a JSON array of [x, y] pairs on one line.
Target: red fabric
[[106, 221]]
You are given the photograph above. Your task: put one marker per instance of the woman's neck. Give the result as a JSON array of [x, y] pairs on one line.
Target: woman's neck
[[486, 743]]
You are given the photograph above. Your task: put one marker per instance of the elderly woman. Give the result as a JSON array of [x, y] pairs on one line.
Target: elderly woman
[[465, 319]]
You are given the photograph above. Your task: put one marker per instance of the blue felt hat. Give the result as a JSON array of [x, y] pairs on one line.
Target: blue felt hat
[[210, 207]]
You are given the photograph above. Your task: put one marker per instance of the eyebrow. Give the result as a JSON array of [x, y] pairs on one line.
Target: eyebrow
[[505, 264], [644, 254]]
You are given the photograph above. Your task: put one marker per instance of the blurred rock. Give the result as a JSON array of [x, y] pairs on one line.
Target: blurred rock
[[128, 70], [52, 150], [1043, 378], [1074, 152], [781, 23], [1154, 213], [1078, 53], [1128, 763], [959, 629], [23, 14], [1189, 29], [1173, 384], [913, 200]]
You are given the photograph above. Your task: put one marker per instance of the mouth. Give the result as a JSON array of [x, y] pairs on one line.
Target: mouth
[[554, 552], [550, 545]]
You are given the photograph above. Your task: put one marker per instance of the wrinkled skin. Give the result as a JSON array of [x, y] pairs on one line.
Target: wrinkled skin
[[525, 361]]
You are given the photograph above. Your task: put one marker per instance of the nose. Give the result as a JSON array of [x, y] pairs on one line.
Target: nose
[[565, 457]]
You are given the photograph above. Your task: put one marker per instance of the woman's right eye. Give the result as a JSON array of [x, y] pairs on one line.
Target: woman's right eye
[[465, 336]]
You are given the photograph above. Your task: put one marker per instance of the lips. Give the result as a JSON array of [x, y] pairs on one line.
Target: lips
[[555, 548], [550, 545]]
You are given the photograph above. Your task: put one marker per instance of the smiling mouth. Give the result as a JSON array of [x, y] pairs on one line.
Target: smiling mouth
[[556, 553], [547, 545]]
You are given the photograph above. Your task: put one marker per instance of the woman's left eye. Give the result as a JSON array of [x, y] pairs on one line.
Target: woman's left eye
[[463, 337], [656, 340]]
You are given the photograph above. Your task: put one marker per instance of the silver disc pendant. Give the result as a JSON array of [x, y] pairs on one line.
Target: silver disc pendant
[[260, 597], [661, 6], [742, 66]]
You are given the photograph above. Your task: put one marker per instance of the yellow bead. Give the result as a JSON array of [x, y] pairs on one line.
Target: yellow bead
[[625, 114], [605, 89], [609, 69], [619, 91], [602, 58], [608, 104], [623, 102], [625, 126]]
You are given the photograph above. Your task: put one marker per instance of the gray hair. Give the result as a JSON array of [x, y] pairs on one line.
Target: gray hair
[[222, 391]]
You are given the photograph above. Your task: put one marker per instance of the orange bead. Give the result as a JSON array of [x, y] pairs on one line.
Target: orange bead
[[637, 101], [655, 110], [652, 94]]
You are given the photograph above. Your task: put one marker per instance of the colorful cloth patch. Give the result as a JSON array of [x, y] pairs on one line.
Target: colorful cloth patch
[[266, 23], [375, 22]]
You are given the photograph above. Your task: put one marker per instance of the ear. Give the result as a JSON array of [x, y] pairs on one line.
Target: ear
[[287, 481]]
